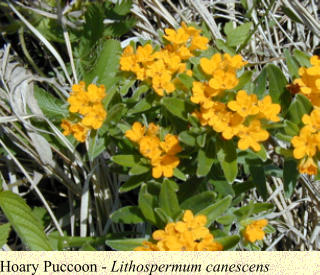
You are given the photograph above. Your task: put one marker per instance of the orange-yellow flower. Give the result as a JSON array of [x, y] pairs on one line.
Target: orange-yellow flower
[[312, 121], [190, 234], [305, 144], [309, 81], [136, 132], [87, 104], [251, 136], [269, 110], [244, 104], [308, 166], [162, 154], [164, 165], [149, 147], [254, 231]]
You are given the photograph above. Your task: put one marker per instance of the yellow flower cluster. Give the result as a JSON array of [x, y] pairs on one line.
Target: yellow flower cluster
[[162, 154], [190, 234], [254, 231], [309, 81], [89, 105], [160, 67], [307, 143], [240, 117]]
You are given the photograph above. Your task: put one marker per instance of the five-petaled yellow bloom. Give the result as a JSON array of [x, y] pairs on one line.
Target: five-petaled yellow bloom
[[254, 231]]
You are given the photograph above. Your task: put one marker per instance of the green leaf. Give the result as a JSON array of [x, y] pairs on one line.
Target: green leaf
[[186, 80], [205, 159], [236, 36], [139, 169], [227, 156], [163, 216], [222, 46], [179, 174], [4, 233], [290, 176], [198, 202], [116, 113], [87, 247], [143, 105], [126, 160], [177, 107], [147, 203], [292, 65], [168, 200], [228, 242], [96, 147], [125, 85], [107, 65], [252, 209], [52, 107], [283, 137], [187, 138], [216, 210], [125, 244], [243, 80], [123, 7], [302, 58], [259, 178], [222, 187], [299, 106], [291, 129], [226, 220], [262, 154], [128, 215], [277, 84], [132, 183], [23, 222], [261, 83], [201, 140], [41, 215]]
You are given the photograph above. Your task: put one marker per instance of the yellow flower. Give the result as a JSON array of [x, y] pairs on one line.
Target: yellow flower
[[78, 130], [312, 120], [160, 68], [308, 166], [152, 129], [66, 126], [190, 234], [136, 132], [199, 43], [309, 81], [147, 246], [150, 147], [88, 105], [233, 126], [222, 70], [268, 109], [254, 231], [251, 135], [163, 165], [162, 154], [170, 145], [202, 94], [305, 144], [210, 65], [176, 37], [244, 104], [128, 59]]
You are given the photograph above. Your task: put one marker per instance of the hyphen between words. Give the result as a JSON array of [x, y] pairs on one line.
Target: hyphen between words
[[48, 266]]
